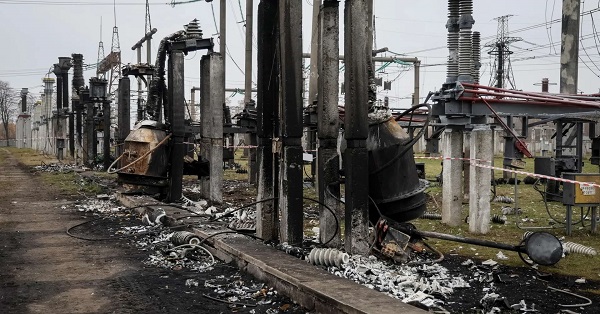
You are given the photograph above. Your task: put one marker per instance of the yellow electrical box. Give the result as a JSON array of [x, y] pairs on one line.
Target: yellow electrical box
[[580, 193]]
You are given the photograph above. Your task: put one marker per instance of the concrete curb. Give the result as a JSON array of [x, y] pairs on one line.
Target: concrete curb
[[310, 286]]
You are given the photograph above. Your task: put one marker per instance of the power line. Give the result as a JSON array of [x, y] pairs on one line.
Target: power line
[[70, 3]]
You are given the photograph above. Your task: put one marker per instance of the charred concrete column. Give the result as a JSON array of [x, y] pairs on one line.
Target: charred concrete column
[[212, 98], [267, 101], [23, 127], [357, 53], [452, 26], [76, 105], [176, 96], [123, 113], [106, 134], [328, 122], [290, 182], [452, 190], [466, 163], [68, 112], [48, 92], [569, 47], [479, 203]]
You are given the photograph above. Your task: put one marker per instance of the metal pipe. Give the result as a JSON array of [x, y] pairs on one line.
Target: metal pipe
[[487, 243], [545, 95], [555, 101]]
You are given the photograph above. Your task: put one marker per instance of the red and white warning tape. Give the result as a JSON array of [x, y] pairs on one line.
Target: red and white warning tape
[[535, 175]]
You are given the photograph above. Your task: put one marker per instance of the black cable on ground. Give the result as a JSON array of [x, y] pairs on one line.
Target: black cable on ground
[[108, 238], [337, 223]]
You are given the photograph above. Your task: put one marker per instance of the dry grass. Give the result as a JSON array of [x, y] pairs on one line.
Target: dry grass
[[532, 204]]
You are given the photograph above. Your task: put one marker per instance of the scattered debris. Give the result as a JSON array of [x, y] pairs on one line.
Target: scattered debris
[[507, 210], [503, 199]]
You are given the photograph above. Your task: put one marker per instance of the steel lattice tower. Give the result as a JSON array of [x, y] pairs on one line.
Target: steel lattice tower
[[100, 74], [502, 75]]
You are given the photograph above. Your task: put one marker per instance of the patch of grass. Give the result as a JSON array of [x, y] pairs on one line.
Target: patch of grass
[[534, 208]]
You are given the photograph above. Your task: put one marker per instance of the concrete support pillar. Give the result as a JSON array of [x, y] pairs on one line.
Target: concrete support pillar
[[124, 113], [106, 134], [176, 117], [211, 116], [479, 204], [569, 50], [452, 190], [267, 217], [357, 59], [328, 123], [290, 176], [466, 163]]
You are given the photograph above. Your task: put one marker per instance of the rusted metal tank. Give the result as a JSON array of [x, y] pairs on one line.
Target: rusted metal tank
[[394, 184], [145, 151]]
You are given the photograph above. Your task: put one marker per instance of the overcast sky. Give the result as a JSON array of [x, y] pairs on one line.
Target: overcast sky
[[34, 33]]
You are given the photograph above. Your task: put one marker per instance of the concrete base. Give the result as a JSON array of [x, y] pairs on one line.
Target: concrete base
[[329, 230], [480, 178], [24, 131], [452, 188], [212, 186]]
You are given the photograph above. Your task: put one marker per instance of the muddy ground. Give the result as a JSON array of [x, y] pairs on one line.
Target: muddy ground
[[43, 270]]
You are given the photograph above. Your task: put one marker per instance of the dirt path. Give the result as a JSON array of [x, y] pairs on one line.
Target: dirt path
[[42, 270]]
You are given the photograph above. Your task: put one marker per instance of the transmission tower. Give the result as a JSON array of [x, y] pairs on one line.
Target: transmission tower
[[115, 62], [502, 75], [100, 74], [148, 22]]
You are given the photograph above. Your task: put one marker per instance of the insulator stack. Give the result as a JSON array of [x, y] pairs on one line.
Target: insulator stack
[[504, 199], [452, 26], [476, 57], [431, 216], [497, 219], [328, 257], [193, 29], [465, 40], [184, 237], [526, 234], [571, 247]]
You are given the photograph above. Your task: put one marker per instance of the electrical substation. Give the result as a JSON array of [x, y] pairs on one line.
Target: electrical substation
[[366, 162]]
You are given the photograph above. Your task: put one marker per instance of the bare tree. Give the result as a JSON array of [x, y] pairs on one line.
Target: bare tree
[[8, 105]]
